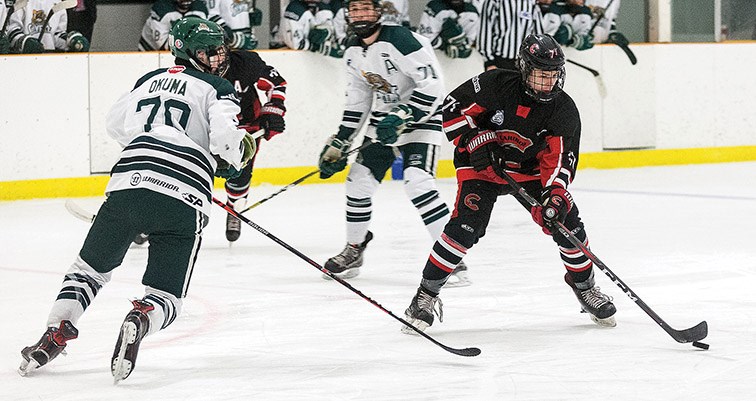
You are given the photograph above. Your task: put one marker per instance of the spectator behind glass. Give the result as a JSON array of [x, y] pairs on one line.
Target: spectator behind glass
[[25, 30], [451, 25], [163, 14], [238, 20]]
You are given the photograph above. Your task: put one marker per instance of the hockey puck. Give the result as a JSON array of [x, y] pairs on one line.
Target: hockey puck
[[700, 345]]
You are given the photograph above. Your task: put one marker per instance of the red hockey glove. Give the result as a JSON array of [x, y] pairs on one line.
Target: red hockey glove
[[272, 119], [557, 202]]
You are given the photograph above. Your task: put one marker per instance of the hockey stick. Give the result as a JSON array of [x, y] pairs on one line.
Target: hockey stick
[[63, 5], [301, 179], [12, 7], [599, 80], [600, 16], [693, 334], [463, 352]]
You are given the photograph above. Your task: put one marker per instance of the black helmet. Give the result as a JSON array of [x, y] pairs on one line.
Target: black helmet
[[541, 52], [363, 29]]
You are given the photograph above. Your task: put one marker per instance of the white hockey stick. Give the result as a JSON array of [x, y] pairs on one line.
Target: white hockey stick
[[63, 5], [86, 216], [79, 212]]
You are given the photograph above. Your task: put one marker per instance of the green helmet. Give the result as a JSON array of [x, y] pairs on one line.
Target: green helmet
[[191, 36]]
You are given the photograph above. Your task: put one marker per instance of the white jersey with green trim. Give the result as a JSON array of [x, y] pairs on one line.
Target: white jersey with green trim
[[171, 125], [399, 68]]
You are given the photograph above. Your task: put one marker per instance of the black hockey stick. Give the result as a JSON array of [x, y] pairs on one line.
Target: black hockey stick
[[63, 5], [600, 16], [599, 80], [693, 334], [301, 179], [585, 67], [620, 40], [12, 6], [463, 352]]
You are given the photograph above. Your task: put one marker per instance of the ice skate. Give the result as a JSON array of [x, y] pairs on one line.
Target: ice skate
[[141, 239], [135, 326], [458, 277], [347, 264], [421, 310], [596, 304], [52, 344], [233, 225]]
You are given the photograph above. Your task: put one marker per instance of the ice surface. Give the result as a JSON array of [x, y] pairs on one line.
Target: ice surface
[[260, 324]]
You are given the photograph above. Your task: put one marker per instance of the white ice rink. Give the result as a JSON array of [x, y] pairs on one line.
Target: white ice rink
[[260, 323]]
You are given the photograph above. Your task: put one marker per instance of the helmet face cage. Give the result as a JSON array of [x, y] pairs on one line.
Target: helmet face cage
[[541, 53], [200, 42], [363, 29]]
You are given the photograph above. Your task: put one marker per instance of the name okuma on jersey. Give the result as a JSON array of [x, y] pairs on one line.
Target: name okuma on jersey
[[169, 142]]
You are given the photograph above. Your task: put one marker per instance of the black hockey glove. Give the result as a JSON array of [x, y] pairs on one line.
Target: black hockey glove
[[272, 119], [484, 150], [556, 202], [387, 130], [332, 158]]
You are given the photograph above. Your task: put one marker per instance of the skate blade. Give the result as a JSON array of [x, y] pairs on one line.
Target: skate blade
[[27, 366], [457, 280], [121, 368], [607, 322], [345, 275], [419, 324]]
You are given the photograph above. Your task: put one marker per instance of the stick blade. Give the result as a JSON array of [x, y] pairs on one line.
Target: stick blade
[[472, 351], [64, 5], [695, 333], [78, 212]]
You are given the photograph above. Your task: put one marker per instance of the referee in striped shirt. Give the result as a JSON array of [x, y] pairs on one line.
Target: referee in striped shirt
[[503, 26]]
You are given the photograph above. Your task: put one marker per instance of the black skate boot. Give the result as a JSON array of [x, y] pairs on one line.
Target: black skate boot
[[233, 225], [597, 304], [347, 264], [52, 344], [135, 326], [141, 239], [458, 277], [421, 310]]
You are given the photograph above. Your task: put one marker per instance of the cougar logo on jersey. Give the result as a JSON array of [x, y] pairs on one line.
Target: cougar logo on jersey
[[136, 178], [513, 139], [38, 17], [377, 82]]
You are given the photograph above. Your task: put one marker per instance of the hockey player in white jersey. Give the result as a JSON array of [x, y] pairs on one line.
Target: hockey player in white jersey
[[178, 127], [394, 84], [308, 25], [26, 24], [239, 19], [451, 25], [163, 15]]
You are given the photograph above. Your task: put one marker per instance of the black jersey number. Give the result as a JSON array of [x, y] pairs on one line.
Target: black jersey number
[[428, 71], [154, 104]]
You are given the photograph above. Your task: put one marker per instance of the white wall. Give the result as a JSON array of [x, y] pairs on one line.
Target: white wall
[[677, 96]]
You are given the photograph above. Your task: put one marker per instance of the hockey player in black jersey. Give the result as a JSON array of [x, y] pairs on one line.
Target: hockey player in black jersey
[[523, 123], [248, 72]]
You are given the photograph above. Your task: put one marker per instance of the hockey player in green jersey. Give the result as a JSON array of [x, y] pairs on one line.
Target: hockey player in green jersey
[[394, 84], [178, 127]]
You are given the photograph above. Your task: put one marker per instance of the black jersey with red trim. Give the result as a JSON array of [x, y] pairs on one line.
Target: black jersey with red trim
[[247, 72], [540, 140]]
